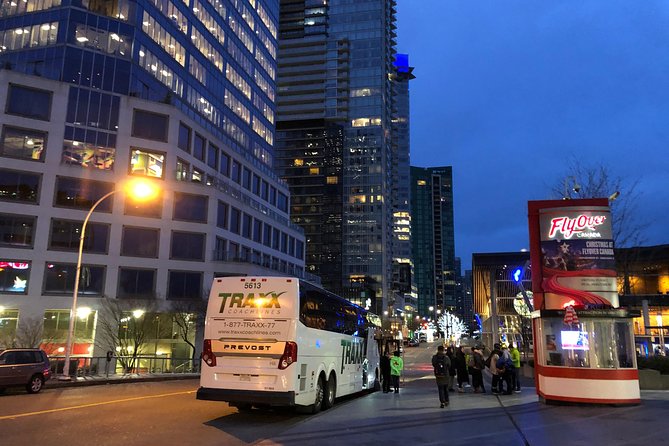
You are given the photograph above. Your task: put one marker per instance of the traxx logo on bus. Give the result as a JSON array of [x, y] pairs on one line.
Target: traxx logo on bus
[[269, 299], [352, 352]]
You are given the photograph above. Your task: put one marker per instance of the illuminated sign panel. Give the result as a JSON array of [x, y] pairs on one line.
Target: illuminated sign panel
[[576, 253]]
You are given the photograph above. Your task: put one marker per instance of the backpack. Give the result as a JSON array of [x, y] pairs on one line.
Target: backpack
[[504, 363], [439, 365]]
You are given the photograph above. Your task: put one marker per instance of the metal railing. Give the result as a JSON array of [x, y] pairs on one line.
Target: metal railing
[[100, 366]]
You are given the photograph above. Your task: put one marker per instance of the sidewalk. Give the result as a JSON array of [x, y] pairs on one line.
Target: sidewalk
[[413, 417]]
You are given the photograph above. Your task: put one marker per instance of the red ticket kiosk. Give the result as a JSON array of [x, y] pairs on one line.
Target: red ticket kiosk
[[583, 342]]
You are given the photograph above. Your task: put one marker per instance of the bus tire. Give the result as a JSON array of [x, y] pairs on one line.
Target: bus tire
[[320, 395], [243, 407], [330, 393], [377, 383]]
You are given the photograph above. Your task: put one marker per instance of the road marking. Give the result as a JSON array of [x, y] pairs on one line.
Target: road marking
[[82, 406]]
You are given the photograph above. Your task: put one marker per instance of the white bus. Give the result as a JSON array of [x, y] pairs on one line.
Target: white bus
[[278, 341]]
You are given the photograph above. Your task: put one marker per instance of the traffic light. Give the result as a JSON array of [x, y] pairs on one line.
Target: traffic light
[[518, 275]]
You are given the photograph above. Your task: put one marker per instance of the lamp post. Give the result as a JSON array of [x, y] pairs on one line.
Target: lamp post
[[140, 190]]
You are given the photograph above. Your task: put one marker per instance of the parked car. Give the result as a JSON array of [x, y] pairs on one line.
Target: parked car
[[413, 343], [27, 367]]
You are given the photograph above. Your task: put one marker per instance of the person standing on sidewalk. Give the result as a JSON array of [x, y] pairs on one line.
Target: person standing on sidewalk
[[384, 364], [460, 364], [491, 362], [441, 364], [476, 366], [515, 359], [396, 366], [450, 352]]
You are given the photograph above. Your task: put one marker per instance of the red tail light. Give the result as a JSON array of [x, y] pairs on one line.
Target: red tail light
[[207, 355], [289, 355]]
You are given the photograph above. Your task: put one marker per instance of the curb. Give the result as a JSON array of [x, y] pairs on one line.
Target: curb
[[83, 382]]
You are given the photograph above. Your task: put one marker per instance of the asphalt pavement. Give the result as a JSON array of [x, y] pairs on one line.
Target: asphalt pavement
[[413, 416]]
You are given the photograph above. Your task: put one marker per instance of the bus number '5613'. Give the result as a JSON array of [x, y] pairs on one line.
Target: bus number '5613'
[[252, 285]]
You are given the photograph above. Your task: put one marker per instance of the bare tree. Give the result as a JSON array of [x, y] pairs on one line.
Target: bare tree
[[29, 333], [125, 326], [188, 317], [596, 181]]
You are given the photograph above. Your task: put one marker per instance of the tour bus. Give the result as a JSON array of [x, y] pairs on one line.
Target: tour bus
[[280, 341]]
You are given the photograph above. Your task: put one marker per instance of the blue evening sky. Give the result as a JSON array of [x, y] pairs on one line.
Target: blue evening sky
[[509, 91]]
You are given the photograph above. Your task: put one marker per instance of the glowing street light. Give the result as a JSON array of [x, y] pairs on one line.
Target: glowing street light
[[139, 190]]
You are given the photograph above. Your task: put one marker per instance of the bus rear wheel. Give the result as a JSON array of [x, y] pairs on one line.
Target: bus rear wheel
[[320, 395], [330, 393]]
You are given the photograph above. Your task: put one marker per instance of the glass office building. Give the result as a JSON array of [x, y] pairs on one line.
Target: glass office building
[[433, 233], [180, 92], [334, 135]]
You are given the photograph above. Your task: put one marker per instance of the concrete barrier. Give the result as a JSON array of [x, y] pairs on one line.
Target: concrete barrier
[[652, 380]]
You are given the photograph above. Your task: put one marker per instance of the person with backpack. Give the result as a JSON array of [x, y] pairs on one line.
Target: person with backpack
[[441, 364], [396, 366], [505, 370]]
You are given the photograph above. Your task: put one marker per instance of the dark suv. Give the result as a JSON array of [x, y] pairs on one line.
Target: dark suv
[[27, 367]]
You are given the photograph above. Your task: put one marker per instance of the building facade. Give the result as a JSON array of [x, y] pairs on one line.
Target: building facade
[[433, 237], [404, 299], [334, 136], [93, 94], [643, 285]]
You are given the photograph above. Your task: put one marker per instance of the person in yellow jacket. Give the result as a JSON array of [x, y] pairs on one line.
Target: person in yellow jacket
[[396, 367], [515, 358]]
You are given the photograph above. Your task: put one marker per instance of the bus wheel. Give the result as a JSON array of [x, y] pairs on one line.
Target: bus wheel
[[320, 395], [243, 407], [330, 393], [377, 383]]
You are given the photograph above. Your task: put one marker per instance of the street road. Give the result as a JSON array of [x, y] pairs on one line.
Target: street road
[[167, 413]]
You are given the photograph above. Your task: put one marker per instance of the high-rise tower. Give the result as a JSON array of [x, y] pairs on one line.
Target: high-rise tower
[[334, 138], [433, 238]]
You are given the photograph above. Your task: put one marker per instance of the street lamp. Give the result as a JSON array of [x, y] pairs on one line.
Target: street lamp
[[140, 190]]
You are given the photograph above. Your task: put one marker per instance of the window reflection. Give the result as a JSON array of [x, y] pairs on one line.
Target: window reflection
[[119, 9], [21, 143], [15, 7], [88, 155], [14, 276], [593, 343], [145, 162], [41, 34], [103, 40]]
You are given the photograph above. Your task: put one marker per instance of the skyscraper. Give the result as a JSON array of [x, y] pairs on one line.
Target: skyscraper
[[403, 284], [334, 136], [433, 238], [180, 92]]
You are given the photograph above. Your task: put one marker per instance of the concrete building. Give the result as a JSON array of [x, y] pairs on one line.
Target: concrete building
[[95, 93], [335, 112]]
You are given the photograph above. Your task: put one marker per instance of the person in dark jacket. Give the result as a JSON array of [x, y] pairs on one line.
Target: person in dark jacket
[[461, 368], [385, 372], [450, 352], [476, 369], [441, 364]]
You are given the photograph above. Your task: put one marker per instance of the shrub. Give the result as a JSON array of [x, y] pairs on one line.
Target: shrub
[[659, 363]]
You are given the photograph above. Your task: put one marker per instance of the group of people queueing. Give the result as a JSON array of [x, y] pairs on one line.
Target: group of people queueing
[[452, 362], [503, 363]]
